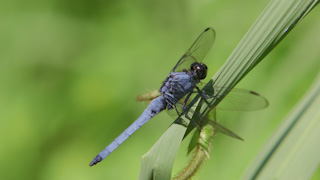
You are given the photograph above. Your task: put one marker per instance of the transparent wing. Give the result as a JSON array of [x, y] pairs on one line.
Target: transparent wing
[[238, 100], [149, 96], [243, 100], [191, 114], [198, 50]]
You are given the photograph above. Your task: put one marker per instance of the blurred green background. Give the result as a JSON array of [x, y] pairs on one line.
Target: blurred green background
[[70, 71]]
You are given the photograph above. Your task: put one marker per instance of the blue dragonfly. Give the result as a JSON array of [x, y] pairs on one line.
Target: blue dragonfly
[[176, 91]]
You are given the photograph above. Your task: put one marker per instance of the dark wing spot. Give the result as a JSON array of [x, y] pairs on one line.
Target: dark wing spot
[[252, 92]]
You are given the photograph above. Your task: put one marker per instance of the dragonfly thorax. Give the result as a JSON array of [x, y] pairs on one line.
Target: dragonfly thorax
[[176, 86]]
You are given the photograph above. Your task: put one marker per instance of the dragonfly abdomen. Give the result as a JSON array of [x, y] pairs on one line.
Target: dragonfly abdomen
[[155, 107]]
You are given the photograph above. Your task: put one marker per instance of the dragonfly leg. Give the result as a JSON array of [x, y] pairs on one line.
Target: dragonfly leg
[[175, 107], [194, 123], [203, 95], [185, 101]]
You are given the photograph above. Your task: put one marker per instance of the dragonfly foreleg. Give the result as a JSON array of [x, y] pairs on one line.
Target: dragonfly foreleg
[[175, 107], [203, 95], [194, 123], [186, 101]]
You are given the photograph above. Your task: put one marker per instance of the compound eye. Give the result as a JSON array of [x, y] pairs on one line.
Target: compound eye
[[202, 73], [200, 69], [195, 66], [204, 66]]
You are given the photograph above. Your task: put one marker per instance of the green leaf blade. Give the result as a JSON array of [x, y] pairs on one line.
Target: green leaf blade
[[275, 22], [293, 151]]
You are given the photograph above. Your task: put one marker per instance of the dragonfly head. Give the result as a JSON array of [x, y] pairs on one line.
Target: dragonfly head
[[199, 70]]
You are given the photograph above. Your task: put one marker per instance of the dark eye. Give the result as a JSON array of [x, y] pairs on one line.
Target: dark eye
[[200, 69]]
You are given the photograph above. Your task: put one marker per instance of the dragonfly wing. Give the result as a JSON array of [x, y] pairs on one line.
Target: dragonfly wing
[[149, 96], [192, 114], [236, 99], [243, 100], [225, 130], [198, 50]]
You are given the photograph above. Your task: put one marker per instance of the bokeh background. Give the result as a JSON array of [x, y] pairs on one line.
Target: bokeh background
[[70, 72]]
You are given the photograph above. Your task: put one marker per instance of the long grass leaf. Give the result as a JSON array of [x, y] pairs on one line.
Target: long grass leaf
[[278, 18], [293, 151]]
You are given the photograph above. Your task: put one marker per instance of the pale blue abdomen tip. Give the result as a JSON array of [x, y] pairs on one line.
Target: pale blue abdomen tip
[[97, 159]]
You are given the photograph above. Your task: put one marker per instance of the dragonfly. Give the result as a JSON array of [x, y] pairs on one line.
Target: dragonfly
[[182, 83]]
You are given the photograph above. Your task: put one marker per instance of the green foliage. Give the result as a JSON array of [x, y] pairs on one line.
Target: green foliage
[[293, 151], [70, 73], [271, 27]]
